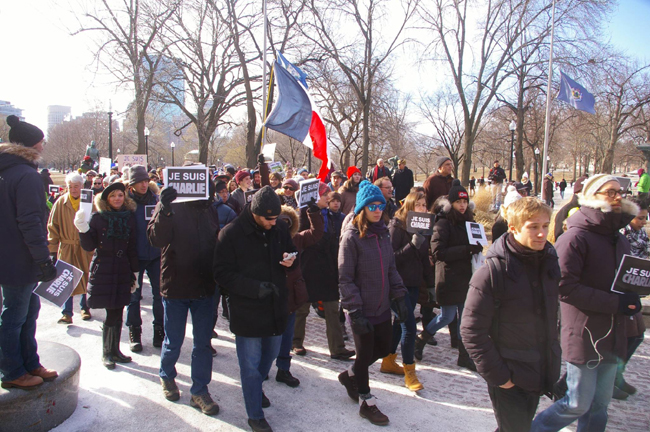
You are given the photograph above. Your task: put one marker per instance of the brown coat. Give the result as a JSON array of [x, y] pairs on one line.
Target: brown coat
[[63, 239], [436, 186]]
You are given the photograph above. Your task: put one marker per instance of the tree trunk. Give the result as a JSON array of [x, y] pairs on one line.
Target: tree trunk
[[608, 158], [467, 161]]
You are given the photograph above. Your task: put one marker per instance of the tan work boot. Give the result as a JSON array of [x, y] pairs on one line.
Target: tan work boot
[[390, 366], [411, 379], [46, 374], [25, 382]]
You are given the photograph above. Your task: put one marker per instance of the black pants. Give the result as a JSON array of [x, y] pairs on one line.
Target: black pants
[[114, 316], [514, 408], [370, 347]]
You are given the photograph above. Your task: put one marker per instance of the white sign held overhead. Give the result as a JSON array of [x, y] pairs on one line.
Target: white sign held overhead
[[105, 165], [269, 151]]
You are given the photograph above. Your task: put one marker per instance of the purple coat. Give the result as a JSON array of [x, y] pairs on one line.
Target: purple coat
[[368, 277], [589, 254]]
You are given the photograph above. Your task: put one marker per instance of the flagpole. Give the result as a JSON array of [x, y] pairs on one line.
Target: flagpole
[[548, 104], [266, 107], [264, 73]]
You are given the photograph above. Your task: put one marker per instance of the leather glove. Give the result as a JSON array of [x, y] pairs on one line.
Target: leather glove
[[401, 309], [431, 292], [168, 195], [360, 324], [629, 299], [134, 282], [266, 289], [54, 257], [417, 240], [80, 221], [48, 271], [260, 159], [475, 249]]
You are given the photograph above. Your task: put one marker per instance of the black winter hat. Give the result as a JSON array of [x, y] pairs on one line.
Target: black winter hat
[[221, 185], [457, 192], [23, 133], [266, 203]]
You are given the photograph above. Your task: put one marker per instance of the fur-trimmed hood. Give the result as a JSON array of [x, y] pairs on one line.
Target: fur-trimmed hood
[[14, 154], [292, 216], [445, 206], [102, 205], [627, 206], [597, 216]]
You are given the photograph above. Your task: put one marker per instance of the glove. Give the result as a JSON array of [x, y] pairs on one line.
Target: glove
[[54, 258], [134, 282], [260, 159], [629, 299], [48, 271], [400, 308], [417, 240], [168, 195], [80, 222], [266, 289], [312, 207], [431, 292], [360, 324], [475, 249]]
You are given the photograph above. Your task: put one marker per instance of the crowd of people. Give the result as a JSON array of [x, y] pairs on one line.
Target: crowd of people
[[351, 255]]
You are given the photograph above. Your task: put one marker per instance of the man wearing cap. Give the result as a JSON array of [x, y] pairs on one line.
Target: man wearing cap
[[402, 180], [244, 182], [563, 213], [336, 181], [380, 170], [250, 262], [90, 175], [24, 255], [145, 194], [439, 183], [496, 176]]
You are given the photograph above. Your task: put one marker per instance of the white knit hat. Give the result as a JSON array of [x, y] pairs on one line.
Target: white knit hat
[[511, 196], [595, 182]]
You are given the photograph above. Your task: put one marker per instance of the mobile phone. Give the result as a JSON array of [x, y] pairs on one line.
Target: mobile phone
[[291, 255]]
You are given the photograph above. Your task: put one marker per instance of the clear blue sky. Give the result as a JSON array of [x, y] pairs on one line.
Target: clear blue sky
[[630, 28]]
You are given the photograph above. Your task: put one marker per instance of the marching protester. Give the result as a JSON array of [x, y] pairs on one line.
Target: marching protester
[[24, 255], [144, 193], [412, 262], [453, 254], [386, 187], [509, 323], [500, 225], [350, 189], [288, 193], [496, 176], [369, 282], [402, 180], [111, 233], [592, 327], [63, 238], [439, 183], [380, 170], [186, 233], [548, 186], [275, 180], [251, 257]]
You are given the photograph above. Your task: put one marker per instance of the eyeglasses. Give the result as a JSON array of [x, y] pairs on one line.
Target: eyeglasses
[[611, 192], [97, 183], [375, 207]]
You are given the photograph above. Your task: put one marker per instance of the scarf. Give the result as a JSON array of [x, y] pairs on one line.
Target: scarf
[[118, 224], [378, 228], [75, 202]]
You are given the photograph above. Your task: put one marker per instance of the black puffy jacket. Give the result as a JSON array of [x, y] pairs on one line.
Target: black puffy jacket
[[412, 263]]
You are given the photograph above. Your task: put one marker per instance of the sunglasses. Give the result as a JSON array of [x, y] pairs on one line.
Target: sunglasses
[[287, 188], [374, 207], [97, 184]]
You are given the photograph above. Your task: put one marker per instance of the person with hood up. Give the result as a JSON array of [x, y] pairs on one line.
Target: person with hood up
[[112, 234], [369, 283], [350, 189], [592, 334], [452, 253], [525, 181]]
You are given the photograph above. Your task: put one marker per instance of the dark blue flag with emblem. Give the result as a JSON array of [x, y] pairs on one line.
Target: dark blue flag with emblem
[[575, 95]]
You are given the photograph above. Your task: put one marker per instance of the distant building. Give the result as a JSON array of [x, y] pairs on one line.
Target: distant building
[[7, 109], [57, 114], [172, 76]]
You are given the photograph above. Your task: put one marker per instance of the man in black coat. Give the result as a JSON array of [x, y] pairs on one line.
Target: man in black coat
[[252, 255], [402, 180], [496, 176]]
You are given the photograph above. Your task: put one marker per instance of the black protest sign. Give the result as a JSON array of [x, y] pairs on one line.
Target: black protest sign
[[248, 195], [191, 183], [420, 223], [54, 189], [148, 211], [308, 191], [476, 233], [633, 276], [59, 289]]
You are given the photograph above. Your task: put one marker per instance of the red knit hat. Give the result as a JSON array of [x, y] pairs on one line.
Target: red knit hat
[[241, 175], [353, 170]]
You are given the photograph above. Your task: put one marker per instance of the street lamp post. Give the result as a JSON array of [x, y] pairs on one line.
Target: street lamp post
[[146, 144], [513, 127], [110, 135], [536, 168], [173, 145]]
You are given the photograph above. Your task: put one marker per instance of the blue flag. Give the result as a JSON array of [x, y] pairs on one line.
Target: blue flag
[[292, 112], [574, 94], [294, 70]]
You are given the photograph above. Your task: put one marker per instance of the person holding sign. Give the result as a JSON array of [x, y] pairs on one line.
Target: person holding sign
[[369, 283], [452, 253], [63, 239], [592, 331], [112, 234], [509, 322]]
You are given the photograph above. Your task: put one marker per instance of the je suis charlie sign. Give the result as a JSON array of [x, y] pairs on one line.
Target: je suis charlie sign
[[633, 276], [191, 183]]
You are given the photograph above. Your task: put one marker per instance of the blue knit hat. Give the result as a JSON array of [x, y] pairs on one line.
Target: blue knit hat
[[368, 193]]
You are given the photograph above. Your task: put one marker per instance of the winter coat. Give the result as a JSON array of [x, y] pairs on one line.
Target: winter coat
[[238, 196], [348, 197], [436, 186], [378, 173], [528, 186], [23, 216], [525, 348], [146, 252], [403, 182], [563, 185], [63, 238], [47, 179], [644, 183], [562, 214], [497, 175], [548, 186], [451, 253], [114, 261], [590, 252], [412, 263], [225, 212], [302, 239], [245, 256], [499, 228], [187, 238], [368, 277]]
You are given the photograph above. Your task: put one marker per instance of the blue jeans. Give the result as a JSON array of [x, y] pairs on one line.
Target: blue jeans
[[175, 321], [18, 348], [68, 306], [586, 400], [255, 357], [405, 332], [284, 357], [133, 317], [447, 314]]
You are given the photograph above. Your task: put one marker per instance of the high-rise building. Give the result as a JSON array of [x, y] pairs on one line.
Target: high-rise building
[[7, 109], [172, 77], [57, 114]]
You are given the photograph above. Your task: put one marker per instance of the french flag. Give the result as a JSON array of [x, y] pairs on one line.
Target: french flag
[[295, 114]]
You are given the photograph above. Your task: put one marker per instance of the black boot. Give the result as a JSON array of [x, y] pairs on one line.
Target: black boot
[[453, 332], [464, 359], [135, 336], [115, 332], [158, 336], [420, 342], [107, 356]]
